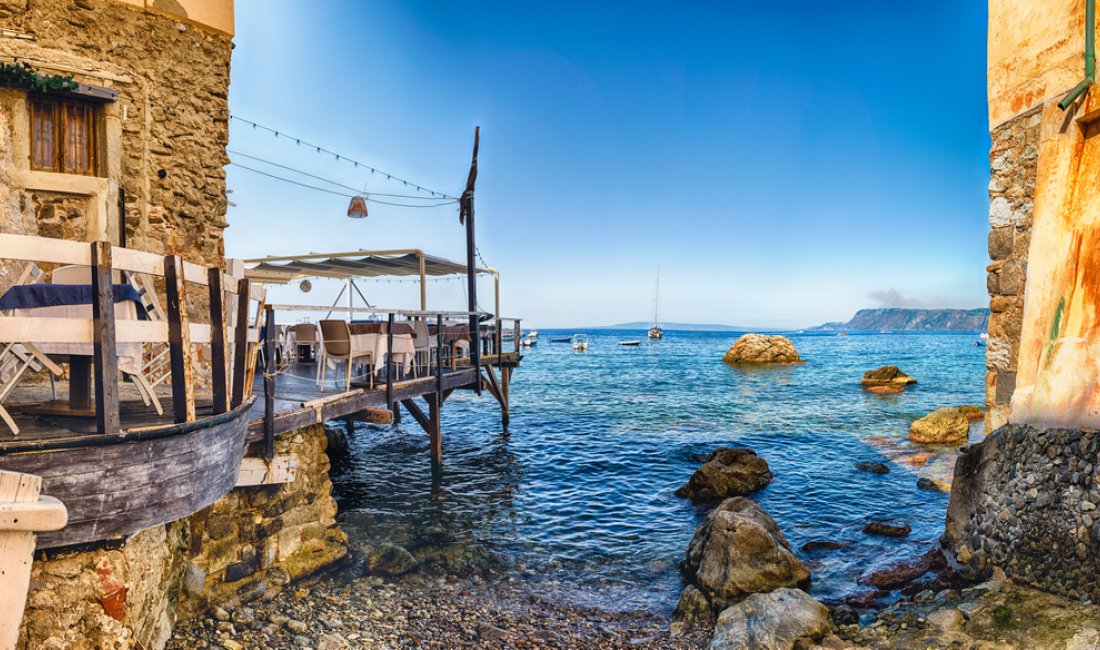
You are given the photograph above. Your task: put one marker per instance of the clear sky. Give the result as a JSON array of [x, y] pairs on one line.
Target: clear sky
[[783, 163]]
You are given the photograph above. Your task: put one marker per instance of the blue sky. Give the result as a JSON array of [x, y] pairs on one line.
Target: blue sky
[[784, 165]]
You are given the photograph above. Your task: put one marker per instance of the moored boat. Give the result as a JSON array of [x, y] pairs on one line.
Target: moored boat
[[655, 331], [630, 344], [580, 342]]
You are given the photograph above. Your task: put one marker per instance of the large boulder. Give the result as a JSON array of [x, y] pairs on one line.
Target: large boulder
[[941, 426], [727, 473], [887, 376], [771, 621], [738, 551], [757, 349]]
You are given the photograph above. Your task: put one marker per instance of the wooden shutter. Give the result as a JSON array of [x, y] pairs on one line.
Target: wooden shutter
[[44, 134], [78, 146]]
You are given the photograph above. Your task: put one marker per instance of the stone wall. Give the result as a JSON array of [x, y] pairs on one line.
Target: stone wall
[[1013, 160], [1026, 501], [247, 545]]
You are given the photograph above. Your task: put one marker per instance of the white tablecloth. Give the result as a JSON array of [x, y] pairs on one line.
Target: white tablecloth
[[129, 354], [404, 351]]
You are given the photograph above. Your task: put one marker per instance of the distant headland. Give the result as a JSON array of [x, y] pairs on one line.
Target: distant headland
[[896, 319]]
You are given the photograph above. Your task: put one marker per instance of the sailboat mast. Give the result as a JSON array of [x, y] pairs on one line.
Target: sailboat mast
[[657, 296]]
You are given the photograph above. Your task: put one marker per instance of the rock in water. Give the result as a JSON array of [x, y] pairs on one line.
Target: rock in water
[[888, 528], [873, 468], [772, 621], [887, 376], [739, 550], [693, 606], [972, 412], [389, 560], [941, 426], [727, 473], [755, 349]]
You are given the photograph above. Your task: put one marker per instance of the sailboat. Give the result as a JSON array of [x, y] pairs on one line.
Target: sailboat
[[655, 331]]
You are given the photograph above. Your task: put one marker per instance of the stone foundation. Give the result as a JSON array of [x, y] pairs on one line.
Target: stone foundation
[[247, 545], [1027, 501], [1013, 163]]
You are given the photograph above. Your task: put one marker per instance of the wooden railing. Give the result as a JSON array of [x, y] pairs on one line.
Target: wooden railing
[[231, 381]]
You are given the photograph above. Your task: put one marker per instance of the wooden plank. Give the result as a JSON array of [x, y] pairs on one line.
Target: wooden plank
[[270, 367], [47, 513], [374, 416], [257, 471], [15, 329], [389, 371], [44, 249], [16, 556], [254, 347], [219, 349], [240, 344], [135, 261], [104, 352], [179, 341]]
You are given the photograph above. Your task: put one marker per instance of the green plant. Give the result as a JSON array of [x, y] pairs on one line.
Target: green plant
[[22, 75], [1002, 618]]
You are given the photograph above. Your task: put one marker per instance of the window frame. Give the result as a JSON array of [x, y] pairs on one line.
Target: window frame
[[59, 109]]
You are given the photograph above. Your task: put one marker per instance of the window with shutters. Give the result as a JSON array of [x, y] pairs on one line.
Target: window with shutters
[[63, 135]]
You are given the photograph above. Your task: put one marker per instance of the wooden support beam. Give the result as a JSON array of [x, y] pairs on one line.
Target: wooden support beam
[[435, 433], [219, 349], [389, 372], [258, 471], [179, 341], [374, 416], [270, 367], [418, 415], [22, 511], [104, 350], [240, 344]]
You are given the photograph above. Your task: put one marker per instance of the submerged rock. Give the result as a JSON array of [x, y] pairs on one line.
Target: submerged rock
[[755, 349], [897, 528], [389, 560], [727, 473], [890, 376], [932, 485], [885, 390], [771, 621], [941, 426], [815, 545], [972, 412], [739, 550], [873, 468]]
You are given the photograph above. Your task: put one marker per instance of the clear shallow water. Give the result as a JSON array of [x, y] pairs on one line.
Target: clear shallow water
[[578, 492]]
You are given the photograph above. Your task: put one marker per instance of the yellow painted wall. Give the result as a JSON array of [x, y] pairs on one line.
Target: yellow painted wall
[[1036, 53], [216, 14]]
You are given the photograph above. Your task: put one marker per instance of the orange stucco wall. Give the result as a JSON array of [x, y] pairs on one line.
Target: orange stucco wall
[[216, 14]]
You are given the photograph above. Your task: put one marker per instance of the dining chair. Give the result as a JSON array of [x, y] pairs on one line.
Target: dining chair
[[72, 274], [424, 343], [305, 336], [337, 344]]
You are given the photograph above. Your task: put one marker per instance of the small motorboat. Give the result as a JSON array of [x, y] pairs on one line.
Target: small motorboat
[[630, 344], [529, 341], [982, 338], [842, 333], [580, 342], [563, 339]]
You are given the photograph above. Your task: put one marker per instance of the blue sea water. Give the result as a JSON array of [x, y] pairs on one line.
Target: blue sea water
[[578, 493]]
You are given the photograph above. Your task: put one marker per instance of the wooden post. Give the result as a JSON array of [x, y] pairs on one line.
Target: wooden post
[[516, 335], [104, 351], [270, 367], [439, 355], [435, 431], [179, 341], [389, 372], [219, 351], [22, 511], [240, 344], [466, 215]]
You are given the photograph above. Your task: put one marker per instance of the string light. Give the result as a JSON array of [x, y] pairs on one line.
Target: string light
[[337, 156], [345, 194]]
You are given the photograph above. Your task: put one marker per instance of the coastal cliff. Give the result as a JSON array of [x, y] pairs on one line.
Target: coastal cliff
[[896, 319]]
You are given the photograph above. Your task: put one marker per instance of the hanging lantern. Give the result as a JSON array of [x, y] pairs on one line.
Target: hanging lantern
[[305, 286], [357, 209]]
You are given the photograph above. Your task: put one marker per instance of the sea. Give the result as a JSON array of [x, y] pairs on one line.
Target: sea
[[576, 495]]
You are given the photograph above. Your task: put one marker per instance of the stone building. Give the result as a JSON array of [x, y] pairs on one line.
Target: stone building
[[1025, 500], [114, 125], [136, 153]]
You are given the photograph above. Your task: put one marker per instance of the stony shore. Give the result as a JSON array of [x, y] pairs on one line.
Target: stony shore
[[421, 610]]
